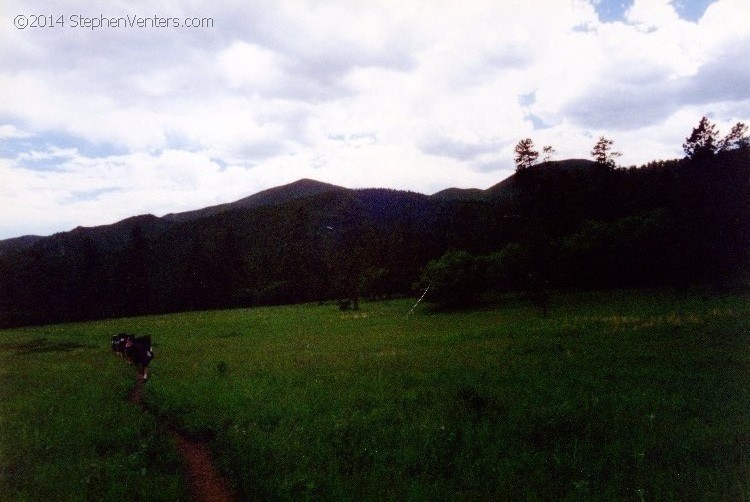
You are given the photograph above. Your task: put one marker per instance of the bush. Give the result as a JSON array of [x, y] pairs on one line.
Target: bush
[[456, 279]]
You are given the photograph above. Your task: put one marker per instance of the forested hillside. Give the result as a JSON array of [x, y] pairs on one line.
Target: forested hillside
[[571, 224], [668, 224]]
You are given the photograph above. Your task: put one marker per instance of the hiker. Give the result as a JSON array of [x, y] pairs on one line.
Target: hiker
[[119, 342], [141, 353], [137, 349]]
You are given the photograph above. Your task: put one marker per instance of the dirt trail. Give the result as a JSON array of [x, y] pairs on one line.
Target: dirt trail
[[204, 481], [206, 484], [136, 393]]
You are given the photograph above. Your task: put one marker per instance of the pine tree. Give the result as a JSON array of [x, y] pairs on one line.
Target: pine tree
[[549, 152], [526, 156], [703, 141], [603, 153], [736, 139]]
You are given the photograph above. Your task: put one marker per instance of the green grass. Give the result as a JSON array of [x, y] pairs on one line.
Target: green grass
[[630, 396], [67, 431]]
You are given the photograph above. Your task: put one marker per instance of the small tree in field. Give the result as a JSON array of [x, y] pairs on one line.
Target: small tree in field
[[525, 154], [603, 153], [456, 280]]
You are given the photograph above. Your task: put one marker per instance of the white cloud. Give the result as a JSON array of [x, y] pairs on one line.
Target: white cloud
[[51, 153], [417, 95], [94, 191], [248, 65], [653, 14], [9, 131]]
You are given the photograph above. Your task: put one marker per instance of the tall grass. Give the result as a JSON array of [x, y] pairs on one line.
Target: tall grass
[[67, 431], [632, 396]]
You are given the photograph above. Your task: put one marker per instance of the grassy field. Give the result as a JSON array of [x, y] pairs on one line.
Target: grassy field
[[616, 396]]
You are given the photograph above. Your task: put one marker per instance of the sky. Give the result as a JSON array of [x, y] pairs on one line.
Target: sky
[[119, 109]]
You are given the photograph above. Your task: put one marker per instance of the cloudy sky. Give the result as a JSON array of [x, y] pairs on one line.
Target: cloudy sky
[[98, 123]]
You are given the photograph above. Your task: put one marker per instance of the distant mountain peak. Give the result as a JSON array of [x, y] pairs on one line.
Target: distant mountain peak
[[300, 189], [308, 181]]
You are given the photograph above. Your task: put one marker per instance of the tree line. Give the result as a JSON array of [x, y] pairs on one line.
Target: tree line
[[556, 224], [669, 223], [703, 142]]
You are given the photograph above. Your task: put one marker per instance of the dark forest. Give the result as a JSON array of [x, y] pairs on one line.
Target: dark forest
[[572, 224]]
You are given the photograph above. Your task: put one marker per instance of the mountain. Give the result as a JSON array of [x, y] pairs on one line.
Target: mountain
[[18, 243], [504, 191], [299, 189], [465, 194], [306, 241], [574, 223], [566, 165], [507, 189], [115, 234]]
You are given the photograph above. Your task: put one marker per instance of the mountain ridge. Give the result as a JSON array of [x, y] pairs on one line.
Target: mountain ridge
[[574, 223], [300, 189], [505, 191]]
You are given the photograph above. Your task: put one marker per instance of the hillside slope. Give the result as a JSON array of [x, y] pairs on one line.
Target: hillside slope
[[299, 189]]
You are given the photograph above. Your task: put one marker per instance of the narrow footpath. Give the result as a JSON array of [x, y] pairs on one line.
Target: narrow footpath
[[204, 481]]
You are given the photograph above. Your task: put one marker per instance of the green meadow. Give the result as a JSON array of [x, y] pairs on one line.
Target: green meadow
[[610, 396]]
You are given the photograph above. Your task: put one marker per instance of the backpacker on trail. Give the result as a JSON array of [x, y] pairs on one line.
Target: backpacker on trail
[[136, 349]]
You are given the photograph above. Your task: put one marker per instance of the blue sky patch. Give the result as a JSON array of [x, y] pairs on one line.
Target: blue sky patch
[[610, 11], [46, 152], [537, 122], [614, 10], [691, 10]]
